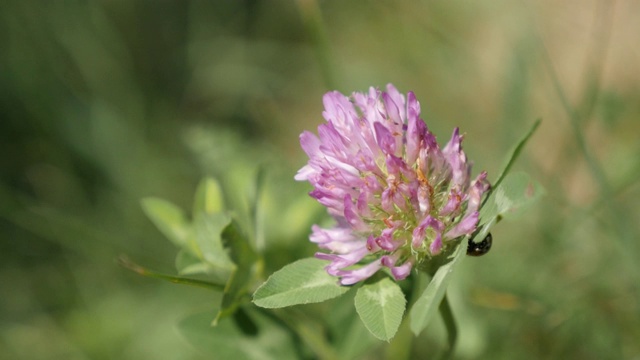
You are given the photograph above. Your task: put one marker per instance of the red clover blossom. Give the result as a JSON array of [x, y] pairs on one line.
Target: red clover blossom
[[397, 198]]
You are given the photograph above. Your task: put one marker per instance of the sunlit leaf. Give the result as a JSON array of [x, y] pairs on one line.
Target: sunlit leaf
[[208, 198], [299, 215], [208, 230], [380, 307], [168, 218], [302, 282], [427, 304]]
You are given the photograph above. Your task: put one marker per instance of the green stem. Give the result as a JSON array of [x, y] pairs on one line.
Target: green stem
[[450, 324], [128, 264]]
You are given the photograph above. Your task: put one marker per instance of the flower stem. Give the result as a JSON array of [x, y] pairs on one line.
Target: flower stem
[[450, 324]]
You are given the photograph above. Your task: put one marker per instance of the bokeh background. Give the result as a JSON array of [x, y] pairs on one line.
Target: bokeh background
[[103, 103]]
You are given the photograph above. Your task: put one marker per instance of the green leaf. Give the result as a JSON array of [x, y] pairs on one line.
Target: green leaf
[[208, 238], [208, 198], [168, 218], [516, 192], [427, 304], [380, 307], [244, 257], [230, 340], [189, 264], [490, 212], [302, 282]]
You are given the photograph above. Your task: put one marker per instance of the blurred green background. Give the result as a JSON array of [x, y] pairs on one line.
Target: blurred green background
[[103, 103]]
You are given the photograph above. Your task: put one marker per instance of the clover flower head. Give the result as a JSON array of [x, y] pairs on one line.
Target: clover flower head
[[397, 197]]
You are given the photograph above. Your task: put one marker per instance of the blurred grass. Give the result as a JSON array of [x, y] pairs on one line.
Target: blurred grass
[[106, 102]]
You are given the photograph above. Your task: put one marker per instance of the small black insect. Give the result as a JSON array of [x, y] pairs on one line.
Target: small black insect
[[481, 248]]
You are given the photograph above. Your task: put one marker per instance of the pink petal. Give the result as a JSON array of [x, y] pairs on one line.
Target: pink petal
[[465, 227], [352, 217], [385, 139], [453, 204], [350, 277]]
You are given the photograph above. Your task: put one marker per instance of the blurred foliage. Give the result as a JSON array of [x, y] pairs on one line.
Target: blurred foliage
[[104, 103]]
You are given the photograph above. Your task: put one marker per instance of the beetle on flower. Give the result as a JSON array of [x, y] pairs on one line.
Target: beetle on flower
[[398, 198]]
